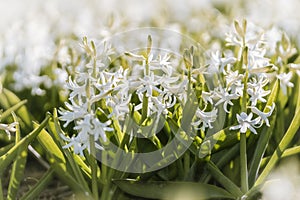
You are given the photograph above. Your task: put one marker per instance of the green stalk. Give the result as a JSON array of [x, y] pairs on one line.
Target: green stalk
[[1, 192], [186, 164], [146, 73], [93, 163], [144, 108], [106, 179], [243, 157], [243, 139]]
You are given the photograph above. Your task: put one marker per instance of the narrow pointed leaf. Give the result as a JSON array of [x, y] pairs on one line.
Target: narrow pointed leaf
[[70, 157], [5, 149], [50, 147], [9, 99], [264, 137], [36, 190], [18, 168], [287, 138], [8, 157], [13, 108], [170, 190]]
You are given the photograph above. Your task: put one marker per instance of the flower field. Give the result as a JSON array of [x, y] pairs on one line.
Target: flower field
[[121, 100]]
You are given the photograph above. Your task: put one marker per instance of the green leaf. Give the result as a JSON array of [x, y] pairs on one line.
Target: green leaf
[[221, 158], [18, 168], [8, 157], [68, 179], [5, 149], [223, 180], [13, 108], [287, 138], [223, 138], [52, 128], [171, 190], [264, 136], [288, 152], [73, 160], [175, 129], [36, 190], [8, 99], [50, 147]]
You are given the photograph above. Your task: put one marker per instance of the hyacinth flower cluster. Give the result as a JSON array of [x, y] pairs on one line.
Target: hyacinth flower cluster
[[247, 74], [234, 90], [153, 83], [150, 85]]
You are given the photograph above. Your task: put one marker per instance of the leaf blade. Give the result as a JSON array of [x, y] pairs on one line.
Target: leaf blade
[[168, 190]]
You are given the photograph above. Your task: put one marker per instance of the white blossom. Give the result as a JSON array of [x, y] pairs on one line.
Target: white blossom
[[149, 84], [8, 128], [245, 122], [285, 81], [163, 102], [73, 112], [225, 97], [295, 67], [207, 97], [90, 125], [234, 82], [256, 91], [219, 62], [262, 115], [205, 118], [252, 37], [256, 58], [76, 89], [119, 104]]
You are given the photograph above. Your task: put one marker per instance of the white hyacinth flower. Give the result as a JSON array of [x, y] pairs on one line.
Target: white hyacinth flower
[[225, 97], [245, 122], [205, 118], [149, 83], [256, 91], [234, 82], [8, 128], [285, 81], [295, 67], [263, 116], [219, 62]]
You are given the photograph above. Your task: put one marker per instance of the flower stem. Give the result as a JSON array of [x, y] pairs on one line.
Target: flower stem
[[1, 192], [243, 139], [243, 157], [93, 167], [186, 165], [144, 108]]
